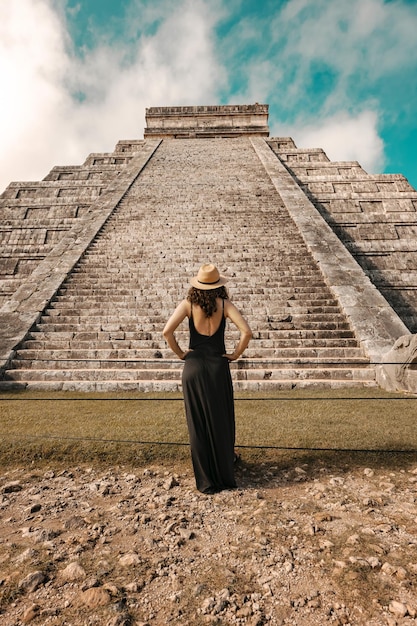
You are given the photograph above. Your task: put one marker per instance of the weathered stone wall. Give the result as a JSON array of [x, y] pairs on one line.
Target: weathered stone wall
[[35, 216], [374, 321], [103, 327], [32, 290], [339, 243], [375, 216], [207, 121]]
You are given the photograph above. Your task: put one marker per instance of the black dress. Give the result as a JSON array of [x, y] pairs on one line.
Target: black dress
[[209, 408]]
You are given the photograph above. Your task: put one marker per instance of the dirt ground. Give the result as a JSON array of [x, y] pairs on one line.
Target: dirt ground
[[306, 545]]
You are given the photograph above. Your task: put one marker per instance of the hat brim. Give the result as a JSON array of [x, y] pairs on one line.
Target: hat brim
[[206, 286]]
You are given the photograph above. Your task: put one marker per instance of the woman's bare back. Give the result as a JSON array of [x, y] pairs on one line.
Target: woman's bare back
[[207, 325]]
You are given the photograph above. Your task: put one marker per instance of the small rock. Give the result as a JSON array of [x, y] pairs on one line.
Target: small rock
[[368, 472], [44, 535], [388, 569], [112, 589], [74, 522], [73, 571], [257, 620], [299, 471], [120, 606], [314, 603], [353, 539], [208, 605], [134, 587], [97, 596], [219, 606], [398, 608], [92, 581], [186, 533], [12, 487], [27, 554], [120, 620], [30, 613], [323, 517], [245, 611], [170, 483], [32, 581], [130, 559], [198, 589]]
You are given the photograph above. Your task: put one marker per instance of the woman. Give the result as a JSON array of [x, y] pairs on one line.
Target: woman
[[206, 380]]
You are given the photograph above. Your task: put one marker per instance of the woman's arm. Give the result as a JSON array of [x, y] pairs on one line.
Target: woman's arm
[[180, 313], [245, 332]]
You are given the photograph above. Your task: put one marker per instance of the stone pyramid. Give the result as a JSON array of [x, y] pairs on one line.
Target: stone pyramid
[[322, 259]]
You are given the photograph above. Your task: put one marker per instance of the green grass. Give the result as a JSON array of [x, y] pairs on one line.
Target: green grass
[[126, 428]]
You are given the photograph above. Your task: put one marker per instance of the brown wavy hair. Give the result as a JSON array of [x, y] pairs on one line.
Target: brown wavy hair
[[206, 298]]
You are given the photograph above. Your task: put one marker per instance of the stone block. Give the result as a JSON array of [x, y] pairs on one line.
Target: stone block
[[398, 370]]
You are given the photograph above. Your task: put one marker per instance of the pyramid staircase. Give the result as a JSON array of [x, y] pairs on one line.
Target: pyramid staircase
[[195, 201]]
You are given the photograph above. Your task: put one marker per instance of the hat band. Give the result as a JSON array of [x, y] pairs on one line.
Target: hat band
[[208, 283]]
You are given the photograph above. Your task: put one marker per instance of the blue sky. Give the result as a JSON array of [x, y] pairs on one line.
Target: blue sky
[[77, 75]]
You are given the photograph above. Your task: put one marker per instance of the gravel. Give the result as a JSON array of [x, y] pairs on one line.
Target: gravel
[[121, 546]]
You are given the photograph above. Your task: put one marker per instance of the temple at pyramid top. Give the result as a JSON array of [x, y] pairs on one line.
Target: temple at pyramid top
[[207, 121]]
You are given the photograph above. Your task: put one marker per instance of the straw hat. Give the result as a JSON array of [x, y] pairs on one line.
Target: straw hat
[[208, 277]]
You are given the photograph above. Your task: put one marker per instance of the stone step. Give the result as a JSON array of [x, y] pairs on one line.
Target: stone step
[[78, 305], [128, 336], [139, 306], [100, 324], [114, 290], [103, 330], [138, 309], [257, 258], [56, 343], [170, 386], [94, 318], [121, 268], [150, 304], [131, 270], [131, 374], [39, 363], [353, 354], [259, 239], [141, 292]]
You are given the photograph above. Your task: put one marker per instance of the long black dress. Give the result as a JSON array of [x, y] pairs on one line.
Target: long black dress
[[209, 408]]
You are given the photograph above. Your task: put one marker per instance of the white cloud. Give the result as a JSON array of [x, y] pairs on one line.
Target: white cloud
[[365, 41], [338, 61], [371, 34], [32, 61], [170, 55], [343, 137], [43, 123]]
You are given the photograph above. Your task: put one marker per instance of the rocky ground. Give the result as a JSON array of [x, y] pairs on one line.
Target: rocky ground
[[305, 546]]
